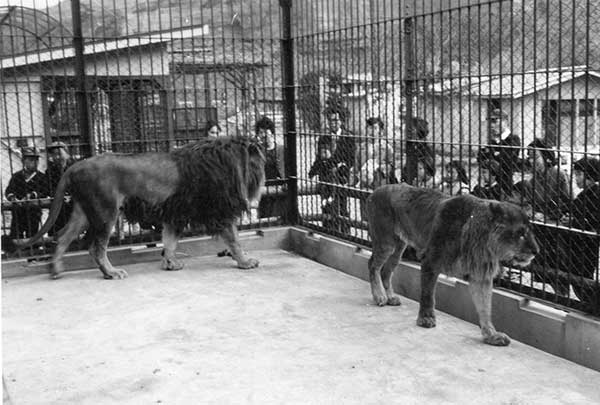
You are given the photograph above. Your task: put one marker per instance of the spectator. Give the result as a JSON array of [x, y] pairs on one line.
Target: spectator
[[488, 186], [212, 129], [273, 203], [425, 173], [547, 192], [26, 184], [330, 173], [416, 144], [342, 145], [503, 147], [456, 181], [374, 162], [59, 160], [585, 209]]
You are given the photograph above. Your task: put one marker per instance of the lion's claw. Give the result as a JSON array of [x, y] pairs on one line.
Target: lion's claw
[[497, 339], [248, 264], [426, 321]]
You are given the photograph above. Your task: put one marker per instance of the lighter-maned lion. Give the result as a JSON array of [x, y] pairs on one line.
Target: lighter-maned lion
[[210, 182], [461, 236]]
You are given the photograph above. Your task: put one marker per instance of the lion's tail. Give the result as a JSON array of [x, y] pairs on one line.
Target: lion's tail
[[57, 203]]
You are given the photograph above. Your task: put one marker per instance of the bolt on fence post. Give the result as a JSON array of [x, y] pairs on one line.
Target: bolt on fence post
[[81, 90], [289, 112]]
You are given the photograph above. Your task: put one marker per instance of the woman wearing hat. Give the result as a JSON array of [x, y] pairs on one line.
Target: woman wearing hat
[[26, 184], [585, 210]]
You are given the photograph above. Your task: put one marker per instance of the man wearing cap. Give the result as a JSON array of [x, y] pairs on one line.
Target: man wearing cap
[[58, 161], [503, 147], [26, 184]]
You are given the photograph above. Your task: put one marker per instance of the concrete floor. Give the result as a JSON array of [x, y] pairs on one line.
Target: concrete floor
[[292, 331]]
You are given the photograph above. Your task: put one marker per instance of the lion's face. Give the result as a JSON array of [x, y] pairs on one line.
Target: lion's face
[[514, 239]]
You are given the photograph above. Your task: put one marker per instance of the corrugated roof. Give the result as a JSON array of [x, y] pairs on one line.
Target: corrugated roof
[[53, 55], [510, 85]]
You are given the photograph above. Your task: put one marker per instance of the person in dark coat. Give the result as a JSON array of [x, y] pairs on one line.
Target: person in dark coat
[[330, 173], [571, 250], [26, 184], [272, 203], [504, 147], [547, 192], [342, 144], [585, 209], [59, 160]]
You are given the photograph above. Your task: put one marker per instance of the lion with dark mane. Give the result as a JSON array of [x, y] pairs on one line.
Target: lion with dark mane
[[210, 183], [461, 236]]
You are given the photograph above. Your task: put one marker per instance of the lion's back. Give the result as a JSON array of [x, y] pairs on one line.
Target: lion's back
[[150, 176], [404, 211]]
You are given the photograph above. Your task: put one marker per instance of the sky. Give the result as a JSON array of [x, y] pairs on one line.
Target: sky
[[29, 3]]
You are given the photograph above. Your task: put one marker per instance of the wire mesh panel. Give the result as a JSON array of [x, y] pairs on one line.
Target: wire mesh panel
[[499, 99], [88, 77]]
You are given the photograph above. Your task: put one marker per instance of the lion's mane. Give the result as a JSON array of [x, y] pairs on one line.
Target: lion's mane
[[216, 180]]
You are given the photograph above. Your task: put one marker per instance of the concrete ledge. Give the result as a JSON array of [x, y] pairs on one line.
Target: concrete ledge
[[569, 335], [261, 239]]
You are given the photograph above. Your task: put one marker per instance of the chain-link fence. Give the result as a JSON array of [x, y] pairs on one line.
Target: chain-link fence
[[92, 76], [500, 99]]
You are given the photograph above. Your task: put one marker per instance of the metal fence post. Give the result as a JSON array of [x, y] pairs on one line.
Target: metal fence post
[[81, 89], [409, 82], [289, 112]]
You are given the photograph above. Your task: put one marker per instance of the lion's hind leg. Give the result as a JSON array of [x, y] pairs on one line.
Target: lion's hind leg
[[481, 292], [388, 271], [231, 238], [379, 257], [170, 239], [100, 234], [77, 223]]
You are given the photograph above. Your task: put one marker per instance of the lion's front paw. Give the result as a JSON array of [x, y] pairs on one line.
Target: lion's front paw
[[497, 339], [115, 273], [380, 299], [171, 264], [426, 321], [56, 270], [394, 300], [248, 264], [55, 276]]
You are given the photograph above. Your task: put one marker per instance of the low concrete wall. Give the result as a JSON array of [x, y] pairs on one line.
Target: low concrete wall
[[268, 238], [570, 335]]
